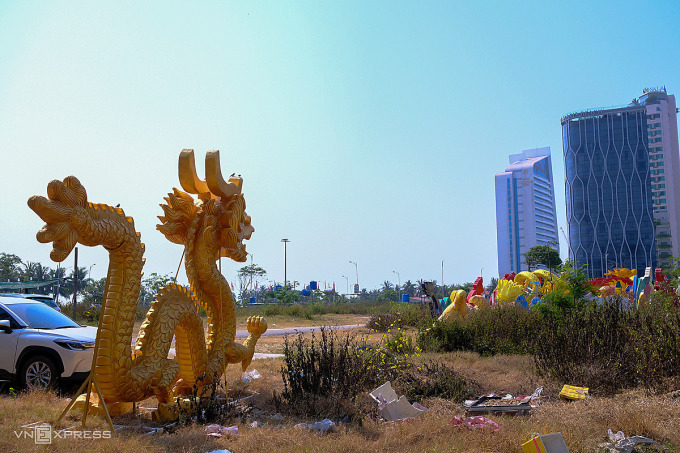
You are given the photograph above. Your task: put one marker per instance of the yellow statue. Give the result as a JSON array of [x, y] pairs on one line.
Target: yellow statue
[[479, 302], [213, 225], [525, 278], [622, 272], [507, 292], [458, 308]]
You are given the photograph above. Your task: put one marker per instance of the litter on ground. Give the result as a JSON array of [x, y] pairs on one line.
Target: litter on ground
[[571, 392], [321, 427], [619, 443], [546, 443], [508, 404], [250, 375], [391, 407], [477, 422], [219, 430]]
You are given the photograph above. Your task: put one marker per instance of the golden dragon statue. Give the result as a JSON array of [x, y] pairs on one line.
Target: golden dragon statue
[[211, 226]]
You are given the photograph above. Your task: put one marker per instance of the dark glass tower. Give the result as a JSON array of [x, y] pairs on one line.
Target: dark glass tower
[[608, 189]]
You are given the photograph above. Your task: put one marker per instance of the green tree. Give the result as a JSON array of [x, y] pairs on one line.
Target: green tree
[[492, 284], [67, 282], [151, 286], [60, 274], [35, 272], [93, 293], [10, 267], [542, 254], [409, 288], [249, 277], [568, 292]]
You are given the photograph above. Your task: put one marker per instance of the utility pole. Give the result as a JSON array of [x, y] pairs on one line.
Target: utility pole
[[75, 284], [285, 262]]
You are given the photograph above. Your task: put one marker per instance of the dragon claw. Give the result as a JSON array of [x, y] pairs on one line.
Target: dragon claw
[[257, 325]]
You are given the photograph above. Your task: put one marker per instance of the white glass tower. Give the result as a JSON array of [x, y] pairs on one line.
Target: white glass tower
[[664, 166], [525, 208]]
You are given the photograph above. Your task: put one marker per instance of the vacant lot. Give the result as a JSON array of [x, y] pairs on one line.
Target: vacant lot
[[583, 424]]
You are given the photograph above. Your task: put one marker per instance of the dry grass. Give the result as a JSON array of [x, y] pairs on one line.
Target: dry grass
[[583, 424]]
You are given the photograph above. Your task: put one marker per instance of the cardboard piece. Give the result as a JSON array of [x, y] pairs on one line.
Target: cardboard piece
[[571, 392], [392, 408], [546, 443]]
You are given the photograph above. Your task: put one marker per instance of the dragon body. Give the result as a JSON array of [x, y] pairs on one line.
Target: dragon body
[[212, 225]]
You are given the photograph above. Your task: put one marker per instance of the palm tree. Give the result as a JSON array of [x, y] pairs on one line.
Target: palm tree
[[409, 288], [60, 274], [83, 281]]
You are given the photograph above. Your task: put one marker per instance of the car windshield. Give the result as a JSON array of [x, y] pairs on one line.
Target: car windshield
[[40, 316]]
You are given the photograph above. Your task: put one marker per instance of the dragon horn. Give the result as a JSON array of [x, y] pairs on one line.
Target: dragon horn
[[187, 174], [213, 175]]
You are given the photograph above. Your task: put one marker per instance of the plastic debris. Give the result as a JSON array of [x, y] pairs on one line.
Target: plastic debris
[[391, 407], [619, 443], [546, 443], [477, 422], [219, 430], [219, 451], [250, 375], [321, 427], [571, 392], [256, 424]]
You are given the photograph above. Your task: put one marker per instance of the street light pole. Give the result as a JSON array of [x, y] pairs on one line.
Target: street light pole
[[399, 278], [89, 273], [346, 283], [356, 268], [442, 274], [285, 261]]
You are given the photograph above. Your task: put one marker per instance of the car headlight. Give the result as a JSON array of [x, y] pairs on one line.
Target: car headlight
[[74, 345]]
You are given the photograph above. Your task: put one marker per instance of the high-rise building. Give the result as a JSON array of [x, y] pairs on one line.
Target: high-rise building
[[525, 208], [664, 165], [608, 187]]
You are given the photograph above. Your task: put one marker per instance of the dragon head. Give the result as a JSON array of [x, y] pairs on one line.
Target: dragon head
[[220, 208]]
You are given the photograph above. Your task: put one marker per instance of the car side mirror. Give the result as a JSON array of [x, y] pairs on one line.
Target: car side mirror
[[5, 327]]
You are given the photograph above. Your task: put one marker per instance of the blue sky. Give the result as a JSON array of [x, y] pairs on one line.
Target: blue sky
[[367, 131]]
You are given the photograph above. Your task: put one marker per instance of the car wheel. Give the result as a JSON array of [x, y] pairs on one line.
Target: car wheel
[[38, 373]]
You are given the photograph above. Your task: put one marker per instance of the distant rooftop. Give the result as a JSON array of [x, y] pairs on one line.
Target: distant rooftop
[[636, 104], [528, 153]]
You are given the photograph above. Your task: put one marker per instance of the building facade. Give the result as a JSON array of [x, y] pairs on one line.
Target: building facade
[[525, 208], [608, 189], [664, 164]]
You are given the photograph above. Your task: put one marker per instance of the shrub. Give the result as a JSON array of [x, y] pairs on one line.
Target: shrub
[[209, 404], [434, 379], [321, 378], [501, 330], [384, 322], [610, 346], [324, 378], [399, 315]]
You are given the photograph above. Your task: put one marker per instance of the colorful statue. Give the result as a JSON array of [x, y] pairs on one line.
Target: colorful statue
[[479, 301], [458, 308], [508, 292], [212, 226], [477, 288]]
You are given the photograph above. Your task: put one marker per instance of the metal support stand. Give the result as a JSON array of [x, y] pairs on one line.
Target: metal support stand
[[88, 384]]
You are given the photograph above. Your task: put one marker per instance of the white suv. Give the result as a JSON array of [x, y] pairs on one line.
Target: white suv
[[39, 345]]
